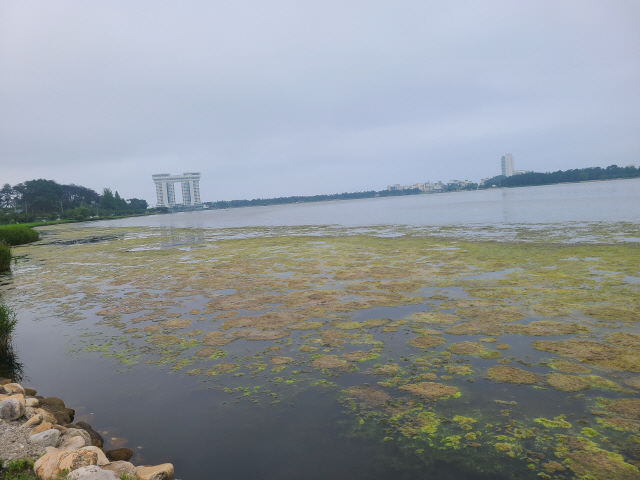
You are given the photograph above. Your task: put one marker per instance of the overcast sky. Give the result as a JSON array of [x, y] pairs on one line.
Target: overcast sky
[[273, 98]]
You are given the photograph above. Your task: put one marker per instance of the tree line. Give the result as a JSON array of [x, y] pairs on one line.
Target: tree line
[[567, 176], [41, 199], [312, 198]]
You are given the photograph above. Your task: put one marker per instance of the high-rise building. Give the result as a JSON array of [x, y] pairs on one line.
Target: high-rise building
[[165, 191], [507, 165]]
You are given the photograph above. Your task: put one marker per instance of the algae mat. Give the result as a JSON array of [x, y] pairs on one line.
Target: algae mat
[[514, 359]]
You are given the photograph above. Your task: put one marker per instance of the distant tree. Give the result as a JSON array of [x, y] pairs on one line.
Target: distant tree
[[107, 200], [136, 204], [42, 196], [6, 196]]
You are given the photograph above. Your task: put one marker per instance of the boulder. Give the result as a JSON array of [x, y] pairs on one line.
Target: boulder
[[30, 391], [34, 420], [69, 444], [92, 472], [32, 402], [63, 415], [46, 415], [11, 409], [48, 438], [102, 459], [52, 401], [96, 438], [159, 472], [121, 468], [119, 454], [43, 426], [78, 432], [4, 381], [14, 388], [53, 464]]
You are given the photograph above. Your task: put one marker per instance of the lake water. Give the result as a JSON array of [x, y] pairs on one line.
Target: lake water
[[95, 330], [606, 201]]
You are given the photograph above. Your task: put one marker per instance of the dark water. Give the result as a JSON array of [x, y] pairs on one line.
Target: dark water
[[609, 201]]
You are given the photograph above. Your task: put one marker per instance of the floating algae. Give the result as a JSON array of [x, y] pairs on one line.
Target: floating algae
[[515, 376], [597, 353], [313, 302], [431, 390]]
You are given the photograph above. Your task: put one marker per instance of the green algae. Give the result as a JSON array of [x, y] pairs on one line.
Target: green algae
[[557, 422]]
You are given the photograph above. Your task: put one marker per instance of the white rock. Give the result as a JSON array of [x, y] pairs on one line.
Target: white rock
[[32, 402], [48, 438], [34, 420], [102, 458], [92, 472], [11, 409]]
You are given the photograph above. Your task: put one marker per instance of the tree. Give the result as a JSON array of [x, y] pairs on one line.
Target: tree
[[107, 200]]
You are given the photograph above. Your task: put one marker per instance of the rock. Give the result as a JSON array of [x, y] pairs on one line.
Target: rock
[[159, 472], [48, 438], [96, 438], [54, 463], [78, 432], [50, 450], [46, 415], [42, 427], [34, 420], [4, 381], [102, 459], [92, 472], [69, 444], [32, 402], [52, 401], [63, 415], [119, 454], [11, 409], [30, 391], [14, 388], [121, 468]]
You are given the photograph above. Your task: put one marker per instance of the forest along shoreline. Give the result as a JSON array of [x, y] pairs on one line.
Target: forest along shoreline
[[42, 429]]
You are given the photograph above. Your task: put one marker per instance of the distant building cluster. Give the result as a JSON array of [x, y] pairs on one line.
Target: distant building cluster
[[507, 170]]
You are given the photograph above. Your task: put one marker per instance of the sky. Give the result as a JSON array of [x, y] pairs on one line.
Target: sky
[[304, 97]]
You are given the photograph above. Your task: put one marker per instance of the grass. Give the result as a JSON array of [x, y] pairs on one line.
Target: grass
[[20, 469], [5, 257], [8, 321], [18, 234]]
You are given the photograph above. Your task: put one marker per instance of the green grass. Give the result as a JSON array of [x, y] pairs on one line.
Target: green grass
[[18, 234], [5, 257], [20, 469], [8, 321]]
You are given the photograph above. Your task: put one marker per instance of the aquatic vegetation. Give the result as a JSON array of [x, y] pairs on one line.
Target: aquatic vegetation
[[597, 353], [587, 461], [546, 328], [459, 369], [431, 391], [360, 356], [515, 376], [425, 341], [332, 362], [312, 305], [557, 422], [565, 366]]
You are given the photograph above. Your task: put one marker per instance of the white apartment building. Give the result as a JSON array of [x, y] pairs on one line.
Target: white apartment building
[[165, 191], [507, 165]]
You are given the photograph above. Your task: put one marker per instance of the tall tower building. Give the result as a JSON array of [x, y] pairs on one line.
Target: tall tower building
[[165, 191], [507, 165]]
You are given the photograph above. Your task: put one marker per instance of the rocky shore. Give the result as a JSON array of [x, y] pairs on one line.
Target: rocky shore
[[32, 426]]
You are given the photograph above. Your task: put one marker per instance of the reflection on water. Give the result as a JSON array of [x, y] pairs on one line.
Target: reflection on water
[[10, 365]]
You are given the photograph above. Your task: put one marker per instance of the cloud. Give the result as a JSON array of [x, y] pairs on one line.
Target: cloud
[[287, 97]]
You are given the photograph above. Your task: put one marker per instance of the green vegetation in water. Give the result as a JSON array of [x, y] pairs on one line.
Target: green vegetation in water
[[18, 234], [5, 257], [300, 296]]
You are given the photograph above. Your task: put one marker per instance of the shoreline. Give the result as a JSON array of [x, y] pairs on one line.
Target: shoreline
[[42, 429]]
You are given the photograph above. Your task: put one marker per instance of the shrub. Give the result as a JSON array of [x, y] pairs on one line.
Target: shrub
[[5, 257], [18, 234]]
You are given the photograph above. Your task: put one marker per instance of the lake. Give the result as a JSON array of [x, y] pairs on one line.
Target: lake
[[471, 335]]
